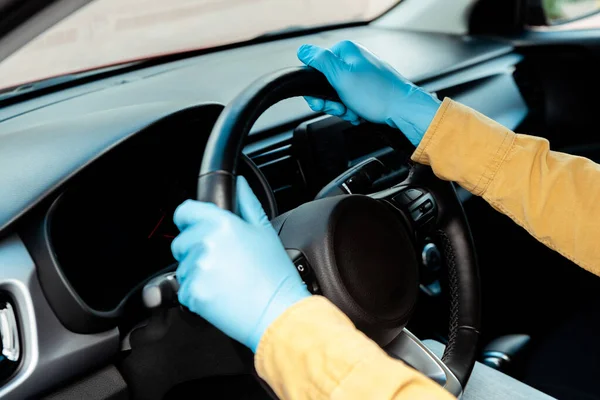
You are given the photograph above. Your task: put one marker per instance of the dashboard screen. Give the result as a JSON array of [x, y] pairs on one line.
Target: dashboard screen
[[114, 227]]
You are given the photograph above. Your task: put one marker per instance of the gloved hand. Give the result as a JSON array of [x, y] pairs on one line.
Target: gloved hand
[[234, 272], [370, 89]]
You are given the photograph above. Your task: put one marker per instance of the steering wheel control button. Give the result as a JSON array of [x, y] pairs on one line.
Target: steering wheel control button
[[407, 196], [299, 262], [433, 289], [431, 257], [422, 209], [427, 205], [304, 269], [401, 199], [431, 260], [350, 183], [416, 214], [413, 194]]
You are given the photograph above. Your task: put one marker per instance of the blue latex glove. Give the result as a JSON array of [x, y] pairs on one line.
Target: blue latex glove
[[370, 89], [234, 272]]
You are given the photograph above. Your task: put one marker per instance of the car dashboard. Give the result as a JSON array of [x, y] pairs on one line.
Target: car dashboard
[[94, 173]]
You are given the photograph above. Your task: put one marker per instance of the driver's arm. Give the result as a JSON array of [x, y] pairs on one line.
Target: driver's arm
[[313, 351], [553, 195]]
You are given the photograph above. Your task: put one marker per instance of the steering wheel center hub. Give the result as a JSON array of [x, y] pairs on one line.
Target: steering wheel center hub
[[363, 257]]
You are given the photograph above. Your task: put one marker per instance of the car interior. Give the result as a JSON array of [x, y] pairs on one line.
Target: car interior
[[93, 169]]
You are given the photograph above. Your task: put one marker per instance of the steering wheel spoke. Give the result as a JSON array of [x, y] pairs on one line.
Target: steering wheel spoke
[[408, 348], [417, 205]]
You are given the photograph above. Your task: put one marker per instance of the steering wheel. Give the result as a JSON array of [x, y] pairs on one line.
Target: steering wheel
[[361, 250]]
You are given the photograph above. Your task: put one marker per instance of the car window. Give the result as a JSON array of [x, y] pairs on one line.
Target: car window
[[108, 32], [577, 14]]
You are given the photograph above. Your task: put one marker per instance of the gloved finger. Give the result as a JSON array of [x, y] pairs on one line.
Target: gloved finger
[[192, 212], [320, 59], [326, 106], [351, 117], [315, 103], [188, 293], [197, 293], [347, 50], [190, 263], [189, 238], [249, 207], [332, 108]]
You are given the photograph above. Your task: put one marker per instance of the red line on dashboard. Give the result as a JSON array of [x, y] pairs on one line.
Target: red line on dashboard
[[168, 236], [157, 225]]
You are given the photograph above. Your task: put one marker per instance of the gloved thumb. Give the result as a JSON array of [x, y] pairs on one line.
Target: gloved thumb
[[323, 60], [249, 207]]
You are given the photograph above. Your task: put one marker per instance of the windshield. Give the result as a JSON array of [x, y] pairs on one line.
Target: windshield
[[108, 32]]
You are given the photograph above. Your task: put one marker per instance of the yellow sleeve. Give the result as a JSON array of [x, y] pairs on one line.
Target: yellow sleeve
[[553, 195], [313, 351]]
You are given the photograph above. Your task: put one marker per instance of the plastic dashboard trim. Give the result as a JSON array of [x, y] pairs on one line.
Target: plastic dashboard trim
[[51, 353]]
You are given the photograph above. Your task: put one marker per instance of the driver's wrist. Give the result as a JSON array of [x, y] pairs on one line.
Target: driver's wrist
[[414, 115], [286, 297]]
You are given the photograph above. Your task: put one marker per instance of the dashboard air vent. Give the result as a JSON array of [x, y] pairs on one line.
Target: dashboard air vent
[[275, 158]]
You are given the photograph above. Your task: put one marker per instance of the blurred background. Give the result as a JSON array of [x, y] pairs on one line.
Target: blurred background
[[108, 32], [557, 10]]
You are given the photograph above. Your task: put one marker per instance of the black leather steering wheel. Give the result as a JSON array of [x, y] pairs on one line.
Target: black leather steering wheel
[[361, 249]]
